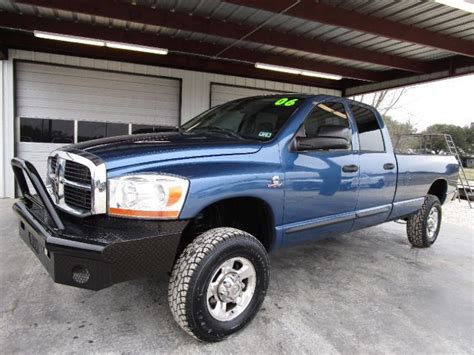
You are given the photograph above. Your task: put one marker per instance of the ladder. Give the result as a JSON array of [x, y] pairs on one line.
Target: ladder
[[462, 174]]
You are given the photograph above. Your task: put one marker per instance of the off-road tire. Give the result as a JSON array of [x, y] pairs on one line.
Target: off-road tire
[[416, 224], [192, 273]]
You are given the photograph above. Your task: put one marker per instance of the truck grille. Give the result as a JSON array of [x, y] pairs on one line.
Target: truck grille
[[77, 173], [76, 183], [78, 198], [54, 162]]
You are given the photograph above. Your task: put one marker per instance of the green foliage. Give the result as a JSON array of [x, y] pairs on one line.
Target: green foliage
[[463, 137], [396, 128]]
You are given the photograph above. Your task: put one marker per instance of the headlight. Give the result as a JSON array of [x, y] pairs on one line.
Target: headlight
[[147, 196]]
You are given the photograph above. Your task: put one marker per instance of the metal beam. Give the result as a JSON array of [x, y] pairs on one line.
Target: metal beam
[[25, 41], [30, 23], [158, 17], [442, 69], [319, 12]]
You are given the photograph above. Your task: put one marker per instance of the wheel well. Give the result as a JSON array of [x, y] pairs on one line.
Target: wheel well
[[439, 188], [249, 214]]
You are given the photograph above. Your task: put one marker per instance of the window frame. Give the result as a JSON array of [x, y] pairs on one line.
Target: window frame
[[19, 124], [79, 122], [325, 151], [377, 118]]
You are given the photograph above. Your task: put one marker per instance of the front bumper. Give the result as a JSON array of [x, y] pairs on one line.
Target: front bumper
[[94, 252]]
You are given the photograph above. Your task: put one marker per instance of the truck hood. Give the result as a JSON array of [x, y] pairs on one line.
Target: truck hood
[[119, 152]]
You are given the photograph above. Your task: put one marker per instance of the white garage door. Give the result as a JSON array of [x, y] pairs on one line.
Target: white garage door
[[223, 93], [57, 105]]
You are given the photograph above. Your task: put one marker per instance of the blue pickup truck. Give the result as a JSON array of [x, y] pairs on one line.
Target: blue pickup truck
[[209, 201]]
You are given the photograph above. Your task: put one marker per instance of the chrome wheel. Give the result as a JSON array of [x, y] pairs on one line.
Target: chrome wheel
[[231, 289], [432, 223]]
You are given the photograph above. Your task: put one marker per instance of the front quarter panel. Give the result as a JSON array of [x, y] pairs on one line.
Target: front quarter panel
[[217, 178]]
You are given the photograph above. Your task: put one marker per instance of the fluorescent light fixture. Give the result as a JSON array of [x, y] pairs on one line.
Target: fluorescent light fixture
[[465, 5], [277, 68], [297, 71], [68, 38], [137, 48], [99, 43], [321, 75]]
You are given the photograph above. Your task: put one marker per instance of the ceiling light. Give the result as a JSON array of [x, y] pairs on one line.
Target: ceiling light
[[68, 38], [297, 71], [99, 43], [277, 68], [321, 75], [138, 48], [465, 5]]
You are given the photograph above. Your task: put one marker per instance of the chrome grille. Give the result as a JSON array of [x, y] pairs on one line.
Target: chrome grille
[[53, 163], [77, 182], [77, 173], [76, 197]]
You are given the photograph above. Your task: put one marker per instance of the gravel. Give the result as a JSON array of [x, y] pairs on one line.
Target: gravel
[[459, 213]]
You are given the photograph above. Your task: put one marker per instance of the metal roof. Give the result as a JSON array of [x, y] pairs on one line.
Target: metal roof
[[431, 16]]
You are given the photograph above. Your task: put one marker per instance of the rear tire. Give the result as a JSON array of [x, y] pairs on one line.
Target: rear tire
[[423, 227], [218, 283]]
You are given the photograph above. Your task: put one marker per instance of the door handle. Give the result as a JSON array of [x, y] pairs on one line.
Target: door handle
[[388, 166], [352, 168]]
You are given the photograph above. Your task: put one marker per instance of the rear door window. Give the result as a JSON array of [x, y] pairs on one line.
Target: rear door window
[[370, 134]]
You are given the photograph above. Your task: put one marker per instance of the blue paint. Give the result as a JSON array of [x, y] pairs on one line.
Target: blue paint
[[316, 199]]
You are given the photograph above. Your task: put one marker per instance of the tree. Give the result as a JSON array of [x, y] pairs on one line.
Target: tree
[[396, 128], [462, 137], [384, 100]]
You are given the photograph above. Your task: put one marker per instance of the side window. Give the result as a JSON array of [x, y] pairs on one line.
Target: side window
[[46, 130], [324, 117], [370, 135], [93, 130]]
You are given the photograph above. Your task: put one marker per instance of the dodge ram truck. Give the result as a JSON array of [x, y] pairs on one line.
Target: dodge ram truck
[[208, 202]]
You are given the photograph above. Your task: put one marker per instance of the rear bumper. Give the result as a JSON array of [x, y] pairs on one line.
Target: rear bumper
[[94, 252]]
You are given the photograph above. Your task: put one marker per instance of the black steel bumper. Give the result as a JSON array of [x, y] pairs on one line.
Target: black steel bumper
[[94, 252]]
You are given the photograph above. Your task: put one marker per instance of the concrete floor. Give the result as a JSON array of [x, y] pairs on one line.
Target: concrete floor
[[365, 292]]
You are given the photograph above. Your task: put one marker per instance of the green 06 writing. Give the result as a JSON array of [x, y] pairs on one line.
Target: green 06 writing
[[284, 101]]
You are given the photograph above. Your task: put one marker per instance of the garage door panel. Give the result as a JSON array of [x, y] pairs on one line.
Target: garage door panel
[[81, 85], [67, 74], [126, 107], [37, 154], [65, 93], [166, 117], [40, 99], [76, 90]]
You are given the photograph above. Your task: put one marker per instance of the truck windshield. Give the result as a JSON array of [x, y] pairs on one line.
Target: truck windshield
[[258, 118]]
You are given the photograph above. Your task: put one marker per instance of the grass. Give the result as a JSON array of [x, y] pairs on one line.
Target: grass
[[469, 173]]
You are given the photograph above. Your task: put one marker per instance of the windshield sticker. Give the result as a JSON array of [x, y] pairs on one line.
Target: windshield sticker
[[284, 101], [265, 134]]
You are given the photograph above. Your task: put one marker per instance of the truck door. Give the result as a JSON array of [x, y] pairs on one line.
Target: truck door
[[378, 168], [320, 184]]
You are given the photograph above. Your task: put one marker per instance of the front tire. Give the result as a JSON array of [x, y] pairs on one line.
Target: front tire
[[218, 283], [423, 227]]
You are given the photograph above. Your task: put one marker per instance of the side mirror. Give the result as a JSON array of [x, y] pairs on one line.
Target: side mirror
[[328, 137]]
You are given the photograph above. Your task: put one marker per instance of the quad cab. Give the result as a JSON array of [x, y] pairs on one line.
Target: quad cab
[[211, 200]]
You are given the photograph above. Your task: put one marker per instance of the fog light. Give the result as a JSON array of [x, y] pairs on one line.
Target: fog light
[[80, 274]]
